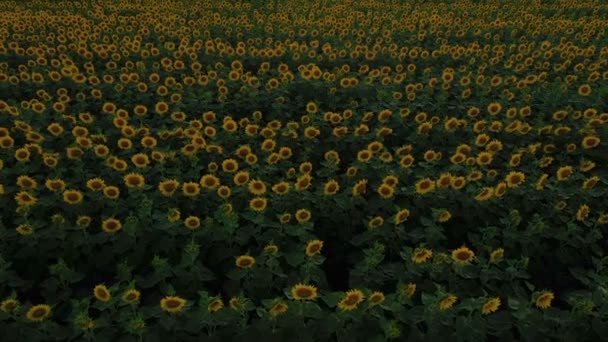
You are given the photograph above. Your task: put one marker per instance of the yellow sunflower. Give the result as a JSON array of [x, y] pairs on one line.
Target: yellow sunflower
[[304, 292], [544, 299], [172, 304], [245, 261], [447, 302], [38, 313], [490, 306], [463, 255], [314, 247], [351, 300]]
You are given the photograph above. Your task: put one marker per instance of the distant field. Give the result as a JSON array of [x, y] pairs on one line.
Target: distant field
[[303, 170]]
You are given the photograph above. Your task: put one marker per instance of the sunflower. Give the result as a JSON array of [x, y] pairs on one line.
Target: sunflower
[[564, 172], [587, 166], [402, 215], [303, 215], [331, 187], [314, 247], [375, 222], [602, 219], [72, 196], [245, 261], [407, 291], [111, 225], [258, 204], [140, 160], [463, 255], [447, 302], [484, 158], [23, 198], [364, 156], [22, 154], [278, 309], [444, 181], [485, 194], [241, 178], [215, 304], [173, 215], [209, 182], [386, 191], [281, 188], [55, 184], [304, 292], [590, 182], [134, 180], [359, 188], [257, 187], [494, 108], [458, 182], [421, 255], [271, 249], [96, 184], [83, 221], [230, 166], [425, 186], [406, 161], [490, 306], [9, 305], [26, 183], [285, 218], [582, 213], [544, 299], [515, 179], [24, 229], [497, 255], [445, 216], [390, 180], [584, 90], [111, 192], [38, 313], [172, 304], [376, 298], [102, 293], [131, 296], [191, 189], [351, 300]]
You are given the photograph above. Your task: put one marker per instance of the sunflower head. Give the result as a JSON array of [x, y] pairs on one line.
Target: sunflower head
[[462, 255], [304, 292], [245, 261], [314, 247]]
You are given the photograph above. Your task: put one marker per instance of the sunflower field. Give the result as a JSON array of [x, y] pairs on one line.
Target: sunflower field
[[291, 170]]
